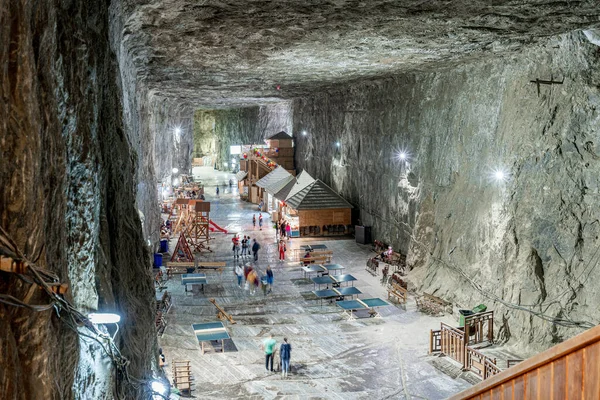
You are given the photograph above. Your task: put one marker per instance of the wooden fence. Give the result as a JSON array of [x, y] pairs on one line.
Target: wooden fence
[[479, 328], [435, 341], [453, 343]]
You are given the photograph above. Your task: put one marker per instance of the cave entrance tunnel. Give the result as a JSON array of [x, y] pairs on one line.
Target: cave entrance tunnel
[[465, 137]]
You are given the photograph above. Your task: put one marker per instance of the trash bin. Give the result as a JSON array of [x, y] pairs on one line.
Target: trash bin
[[164, 246], [157, 259], [462, 315], [480, 308]]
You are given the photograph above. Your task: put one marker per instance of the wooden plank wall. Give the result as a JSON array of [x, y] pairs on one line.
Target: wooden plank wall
[[567, 371], [333, 216]]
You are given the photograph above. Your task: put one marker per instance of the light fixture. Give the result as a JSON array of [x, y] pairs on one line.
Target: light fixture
[[175, 170], [303, 133], [159, 387], [105, 318], [499, 175], [337, 144], [402, 155], [178, 131]]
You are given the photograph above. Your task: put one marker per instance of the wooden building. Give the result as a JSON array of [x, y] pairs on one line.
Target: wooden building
[[317, 210]]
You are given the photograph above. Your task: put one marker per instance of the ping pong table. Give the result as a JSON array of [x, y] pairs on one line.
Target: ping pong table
[[311, 247], [322, 269], [348, 306], [193, 279], [211, 331], [336, 293], [334, 280]]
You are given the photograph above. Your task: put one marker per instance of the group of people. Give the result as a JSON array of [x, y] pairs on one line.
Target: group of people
[[242, 246], [260, 220], [285, 354], [283, 229], [254, 278]]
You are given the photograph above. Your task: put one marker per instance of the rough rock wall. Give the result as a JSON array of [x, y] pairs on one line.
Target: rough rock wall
[[68, 200], [531, 240], [250, 125]]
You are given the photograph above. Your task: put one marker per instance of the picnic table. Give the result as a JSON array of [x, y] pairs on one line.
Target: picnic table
[[348, 306], [334, 280], [211, 331], [322, 269], [193, 279], [336, 293]]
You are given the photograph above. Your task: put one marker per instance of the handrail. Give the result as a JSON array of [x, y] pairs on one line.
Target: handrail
[[435, 341], [583, 340]]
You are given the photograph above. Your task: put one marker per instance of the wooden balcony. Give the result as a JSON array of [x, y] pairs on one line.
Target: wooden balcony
[[570, 370]]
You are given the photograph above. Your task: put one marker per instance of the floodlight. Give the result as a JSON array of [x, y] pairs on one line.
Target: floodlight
[[101, 318]]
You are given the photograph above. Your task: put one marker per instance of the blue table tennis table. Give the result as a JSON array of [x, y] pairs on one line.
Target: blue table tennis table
[[211, 331], [340, 293], [193, 279], [334, 280], [322, 269], [348, 306]]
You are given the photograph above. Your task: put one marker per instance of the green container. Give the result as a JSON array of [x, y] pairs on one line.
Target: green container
[[480, 308], [462, 314]]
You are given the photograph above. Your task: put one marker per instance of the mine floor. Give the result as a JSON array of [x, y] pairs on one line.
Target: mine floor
[[332, 358]]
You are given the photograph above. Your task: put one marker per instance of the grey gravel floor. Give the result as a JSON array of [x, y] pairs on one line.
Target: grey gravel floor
[[332, 358]]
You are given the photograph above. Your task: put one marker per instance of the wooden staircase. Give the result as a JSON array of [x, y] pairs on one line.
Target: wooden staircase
[[567, 371]]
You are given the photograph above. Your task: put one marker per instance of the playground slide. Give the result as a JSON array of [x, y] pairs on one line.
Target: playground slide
[[217, 227]]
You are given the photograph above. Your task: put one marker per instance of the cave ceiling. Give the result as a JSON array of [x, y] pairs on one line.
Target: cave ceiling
[[220, 54]]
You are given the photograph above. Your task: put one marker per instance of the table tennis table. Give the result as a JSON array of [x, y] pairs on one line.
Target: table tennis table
[[311, 247], [336, 293], [348, 306], [211, 331], [322, 269], [334, 280], [193, 279]]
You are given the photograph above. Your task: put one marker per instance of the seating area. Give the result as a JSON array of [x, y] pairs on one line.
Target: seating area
[[396, 291], [372, 266]]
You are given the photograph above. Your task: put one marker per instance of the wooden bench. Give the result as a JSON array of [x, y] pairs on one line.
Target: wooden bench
[[432, 304], [182, 267], [372, 266], [315, 260], [397, 291]]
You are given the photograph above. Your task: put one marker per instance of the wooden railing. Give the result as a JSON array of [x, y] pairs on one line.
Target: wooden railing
[[480, 364], [479, 328], [435, 341], [453, 343], [570, 370]]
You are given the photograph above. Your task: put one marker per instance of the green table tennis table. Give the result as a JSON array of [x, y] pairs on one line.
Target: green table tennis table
[[336, 293], [211, 331], [334, 280], [193, 279], [348, 306]]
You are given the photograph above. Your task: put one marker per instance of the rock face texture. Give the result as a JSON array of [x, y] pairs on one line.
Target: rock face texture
[[69, 189], [226, 54], [216, 130], [532, 239]]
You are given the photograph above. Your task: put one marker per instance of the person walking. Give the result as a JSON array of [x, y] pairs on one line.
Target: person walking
[[254, 220], [282, 229], [276, 229], [269, 278], [217, 190], [269, 347], [260, 221], [240, 274], [255, 249], [285, 353], [288, 230], [282, 250], [236, 246], [252, 281], [244, 246]]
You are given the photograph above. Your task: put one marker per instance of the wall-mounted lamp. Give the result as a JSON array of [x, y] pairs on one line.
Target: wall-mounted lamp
[[338, 144], [104, 319], [303, 133], [175, 170]]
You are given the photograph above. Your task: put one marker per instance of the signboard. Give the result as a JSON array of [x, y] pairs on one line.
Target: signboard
[[235, 150]]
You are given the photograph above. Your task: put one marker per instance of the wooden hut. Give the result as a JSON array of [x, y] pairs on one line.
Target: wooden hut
[[317, 210]]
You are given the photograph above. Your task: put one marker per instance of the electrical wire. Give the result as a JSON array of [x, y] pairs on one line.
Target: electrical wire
[[70, 316]]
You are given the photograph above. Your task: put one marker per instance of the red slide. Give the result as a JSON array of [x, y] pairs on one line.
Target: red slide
[[217, 227]]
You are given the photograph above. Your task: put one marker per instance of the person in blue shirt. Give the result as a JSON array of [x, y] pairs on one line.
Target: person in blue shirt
[[285, 353]]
